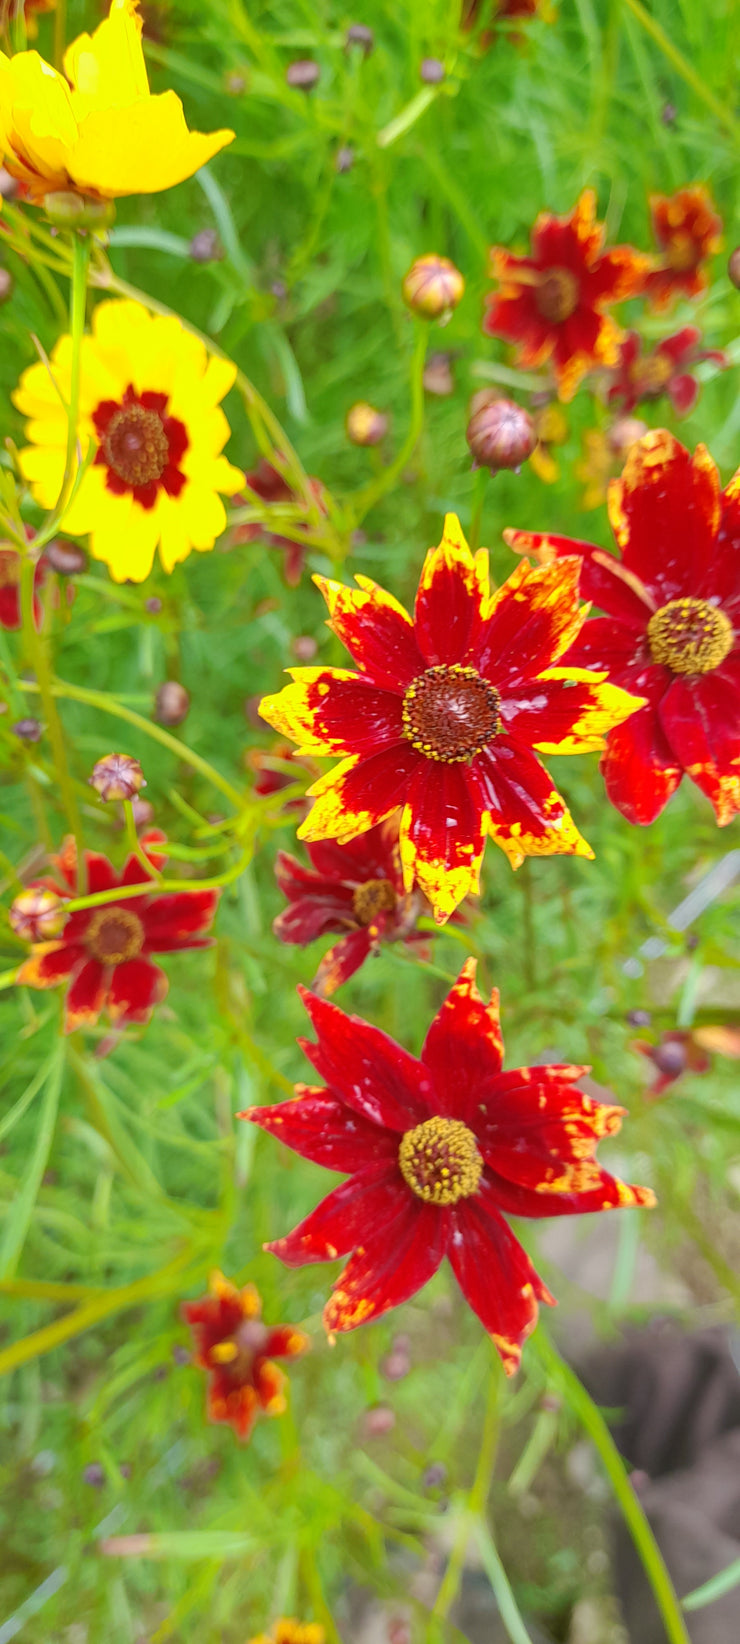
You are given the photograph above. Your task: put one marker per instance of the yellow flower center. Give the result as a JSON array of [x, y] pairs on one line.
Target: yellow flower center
[[650, 376], [556, 295], [374, 897], [450, 713], [689, 636], [10, 568], [440, 1161], [682, 253], [114, 935], [136, 446], [240, 1350]]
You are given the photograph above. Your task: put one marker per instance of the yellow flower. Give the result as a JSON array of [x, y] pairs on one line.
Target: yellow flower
[[149, 403], [288, 1631], [103, 133], [551, 429]]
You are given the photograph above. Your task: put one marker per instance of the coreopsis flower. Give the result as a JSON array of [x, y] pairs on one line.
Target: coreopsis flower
[[664, 370], [10, 587], [355, 888], [438, 1151], [671, 629], [689, 232], [552, 304], [237, 1349], [551, 430], [444, 716], [96, 129], [288, 1631], [269, 486], [150, 405], [103, 955]]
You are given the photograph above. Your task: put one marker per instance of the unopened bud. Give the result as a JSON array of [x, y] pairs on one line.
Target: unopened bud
[[6, 284], [37, 914], [68, 210], [434, 1476], [639, 1018], [670, 1057], [433, 287], [65, 558], [438, 378], [171, 703], [624, 433], [358, 34], [501, 434], [431, 71], [303, 74], [378, 1421], [365, 425], [206, 247], [153, 606], [8, 185], [235, 83], [28, 730], [733, 267], [345, 159], [117, 776]]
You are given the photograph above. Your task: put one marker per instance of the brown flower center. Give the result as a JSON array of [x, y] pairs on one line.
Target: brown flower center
[[374, 897], [650, 376], [689, 636], [136, 446], [556, 295], [440, 1161], [114, 935], [450, 713], [10, 568], [682, 253]]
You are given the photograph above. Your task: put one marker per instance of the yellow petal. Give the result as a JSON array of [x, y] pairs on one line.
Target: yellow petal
[[609, 706], [37, 123], [140, 149], [107, 69], [292, 712]]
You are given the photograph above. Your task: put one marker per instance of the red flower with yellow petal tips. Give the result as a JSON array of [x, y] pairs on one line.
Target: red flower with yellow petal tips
[[445, 714], [672, 626], [552, 304], [438, 1151], [688, 231], [237, 1349], [104, 952]]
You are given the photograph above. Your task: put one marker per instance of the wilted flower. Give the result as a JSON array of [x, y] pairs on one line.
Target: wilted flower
[[664, 370], [117, 776], [500, 434], [269, 486], [37, 914], [364, 424], [237, 1349], [433, 287], [689, 232]]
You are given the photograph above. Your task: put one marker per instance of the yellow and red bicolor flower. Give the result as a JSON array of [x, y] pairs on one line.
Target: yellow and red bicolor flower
[[444, 716], [665, 370], [689, 232], [150, 406], [672, 626], [553, 303], [96, 129], [237, 1349], [437, 1152], [103, 954]]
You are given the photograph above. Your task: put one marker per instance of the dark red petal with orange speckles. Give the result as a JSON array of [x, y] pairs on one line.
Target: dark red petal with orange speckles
[[700, 717], [320, 1127], [639, 768], [371, 1073], [378, 1198], [135, 988], [386, 1271], [465, 1033], [495, 1274], [85, 996], [346, 957], [170, 921]]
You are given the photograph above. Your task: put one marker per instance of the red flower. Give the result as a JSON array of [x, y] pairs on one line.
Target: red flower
[[688, 231], [270, 780], [639, 376], [267, 483], [672, 626], [444, 716], [356, 888], [682, 1051], [552, 303], [104, 952], [141, 447], [10, 586], [236, 1348], [438, 1151]]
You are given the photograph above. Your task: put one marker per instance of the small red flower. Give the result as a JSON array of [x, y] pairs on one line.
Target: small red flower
[[103, 953], [269, 780], [141, 446], [267, 483], [552, 304], [676, 1054], [672, 626], [665, 370], [356, 888], [444, 716], [10, 586], [237, 1348], [438, 1151], [688, 231]]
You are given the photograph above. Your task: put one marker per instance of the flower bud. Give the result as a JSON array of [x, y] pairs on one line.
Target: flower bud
[[117, 776], [344, 159], [623, 434], [358, 34], [438, 378], [378, 1421], [433, 287], [65, 558], [235, 83], [6, 284], [153, 606], [206, 247], [37, 914], [501, 434], [670, 1057], [365, 425], [303, 74], [172, 703], [66, 209], [28, 730], [304, 647], [733, 267], [431, 71]]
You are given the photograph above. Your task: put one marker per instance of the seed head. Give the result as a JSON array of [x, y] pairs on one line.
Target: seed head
[[37, 914], [172, 703], [433, 287], [365, 425], [117, 776], [501, 434]]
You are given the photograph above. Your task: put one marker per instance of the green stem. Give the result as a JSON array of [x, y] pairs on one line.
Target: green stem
[[683, 67], [367, 499], [477, 1498], [124, 893], [36, 646], [499, 1582], [480, 486], [132, 839]]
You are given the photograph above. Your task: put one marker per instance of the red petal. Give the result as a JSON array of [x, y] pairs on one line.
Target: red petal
[[344, 959], [518, 792], [464, 1046], [135, 988], [86, 996], [354, 798], [367, 1069], [285, 1342], [599, 581], [376, 630], [680, 343], [639, 768], [701, 720], [608, 645], [50, 964], [442, 835], [389, 1267], [600, 1192], [452, 588], [323, 1129], [10, 606], [683, 392], [169, 921], [495, 1274], [101, 874], [665, 513], [312, 916], [376, 1199], [373, 855], [535, 615]]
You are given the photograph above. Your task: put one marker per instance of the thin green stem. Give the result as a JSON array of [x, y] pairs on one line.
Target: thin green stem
[[124, 893], [37, 649], [476, 1502], [507, 1605], [480, 486], [386, 479], [683, 67], [60, 33], [132, 840]]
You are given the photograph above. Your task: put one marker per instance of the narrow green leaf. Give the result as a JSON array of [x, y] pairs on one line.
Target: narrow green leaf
[[16, 1229]]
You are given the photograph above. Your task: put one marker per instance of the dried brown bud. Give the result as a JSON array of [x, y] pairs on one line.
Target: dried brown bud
[[358, 34], [37, 914], [28, 730], [733, 267], [501, 434], [303, 74], [365, 425], [345, 159], [206, 247], [65, 558], [6, 284], [438, 378], [433, 287], [431, 71], [623, 434], [171, 703], [117, 776]]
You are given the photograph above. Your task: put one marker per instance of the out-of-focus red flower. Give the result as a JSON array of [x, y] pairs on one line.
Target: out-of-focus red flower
[[266, 483], [270, 780], [237, 1349], [672, 626], [688, 231], [10, 586], [356, 888], [553, 303], [437, 1152], [103, 953], [664, 370], [604, 451], [680, 1052]]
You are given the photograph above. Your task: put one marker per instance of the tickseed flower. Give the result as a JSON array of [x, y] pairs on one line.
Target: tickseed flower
[[433, 287], [689, 232], [445, 714], [665, 370], [355, 888], [149, 403], [117, 776], [10, 587], [672, 626], [269, 486], [104, 952], [237, 1348], [287, 1631], [552, 303], [437, 1152], [96, 129]]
